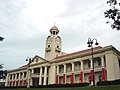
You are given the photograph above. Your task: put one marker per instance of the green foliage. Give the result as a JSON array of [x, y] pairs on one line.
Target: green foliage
[[3, 73], [113, 14]]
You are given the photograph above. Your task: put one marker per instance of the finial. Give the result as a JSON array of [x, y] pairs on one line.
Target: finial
[[54, 23]]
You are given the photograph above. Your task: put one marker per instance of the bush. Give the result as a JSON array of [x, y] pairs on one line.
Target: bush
[[61, 85], [115, 82]]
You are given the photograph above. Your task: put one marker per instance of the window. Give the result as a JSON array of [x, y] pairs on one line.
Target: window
[[57, 46], [53, 32], [100, 78], [13, 76], [10, 76], [21, 75], [36, 70], [99, 62], [25, 73], [17, 75], [43, 69], [104, 60], [48, 46], [119, 62]]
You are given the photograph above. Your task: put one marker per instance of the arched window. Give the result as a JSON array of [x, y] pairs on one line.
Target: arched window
[[48, 46], [53, 32], [57, 46]]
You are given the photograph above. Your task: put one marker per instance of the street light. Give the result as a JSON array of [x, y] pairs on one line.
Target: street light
[[90, 44], [28, 67]]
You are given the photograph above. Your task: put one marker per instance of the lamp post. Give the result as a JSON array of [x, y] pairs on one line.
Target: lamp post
[[90, 44], [28, 67], [1, 38]]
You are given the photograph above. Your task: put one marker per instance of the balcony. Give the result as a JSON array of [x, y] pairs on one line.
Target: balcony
[[35, 74]]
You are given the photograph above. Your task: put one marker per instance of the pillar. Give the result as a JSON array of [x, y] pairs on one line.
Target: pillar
[[52, 74], [15, 82], [72, 76], [91, 72], [103, 69], [81, 72], [19, 79], [45, 76], [64, 75], [30, 76], [57, 75], [40, 77], [7, 80]]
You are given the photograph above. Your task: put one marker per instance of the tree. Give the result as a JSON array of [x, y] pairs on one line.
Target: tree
[[1, 38], [3, 73], [113, 14]]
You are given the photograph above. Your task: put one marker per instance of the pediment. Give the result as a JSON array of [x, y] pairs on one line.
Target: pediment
[[37, 59]]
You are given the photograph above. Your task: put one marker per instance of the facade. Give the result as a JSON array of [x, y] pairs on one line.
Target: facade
[[61, 68]]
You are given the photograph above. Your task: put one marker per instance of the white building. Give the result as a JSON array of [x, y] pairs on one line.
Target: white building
[[61, 68]]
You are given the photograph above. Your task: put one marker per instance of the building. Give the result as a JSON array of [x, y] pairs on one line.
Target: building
[[61, 68]]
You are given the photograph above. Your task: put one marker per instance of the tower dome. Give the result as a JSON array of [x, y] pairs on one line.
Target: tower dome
[[54, 30]]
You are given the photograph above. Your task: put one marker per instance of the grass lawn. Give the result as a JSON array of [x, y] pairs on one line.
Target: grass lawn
[[112, 87]]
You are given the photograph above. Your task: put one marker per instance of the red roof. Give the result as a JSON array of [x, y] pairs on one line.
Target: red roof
[[79, 52]]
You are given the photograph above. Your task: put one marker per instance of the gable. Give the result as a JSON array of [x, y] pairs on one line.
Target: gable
[[37, 59]]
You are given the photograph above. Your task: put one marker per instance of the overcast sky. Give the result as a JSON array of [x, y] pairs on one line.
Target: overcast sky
[[25, 24]]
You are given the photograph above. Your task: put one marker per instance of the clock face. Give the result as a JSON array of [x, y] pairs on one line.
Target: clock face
[[49, 40], [57, 39]]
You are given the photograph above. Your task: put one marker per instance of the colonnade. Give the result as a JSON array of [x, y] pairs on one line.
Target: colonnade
[[21, 78], [81, 71]]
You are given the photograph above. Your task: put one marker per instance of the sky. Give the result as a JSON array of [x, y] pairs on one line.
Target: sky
[[25, 25]]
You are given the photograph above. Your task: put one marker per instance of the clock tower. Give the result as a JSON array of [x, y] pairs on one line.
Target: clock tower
[[53, 44]]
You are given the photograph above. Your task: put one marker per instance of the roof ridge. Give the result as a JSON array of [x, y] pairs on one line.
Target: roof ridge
[[78, 52]]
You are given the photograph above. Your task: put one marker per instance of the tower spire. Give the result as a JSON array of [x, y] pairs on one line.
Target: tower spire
[[54, 23]]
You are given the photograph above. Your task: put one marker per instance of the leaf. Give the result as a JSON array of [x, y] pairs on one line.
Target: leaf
[[112, 26]]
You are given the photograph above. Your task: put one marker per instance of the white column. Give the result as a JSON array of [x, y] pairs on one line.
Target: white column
[[92, 72], [23, 75], [102, 61], [81, 62], [72, 66], [64, 68], [40, 77], [23, 79], [28, 78], [45, 76], [15, 78], [91, 64], [72, 74], [52, 74], [7, 79], [57, 75], [30, 75], [64, 75], [12, 80], [19, 79], [32, 70], [58, 69]]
